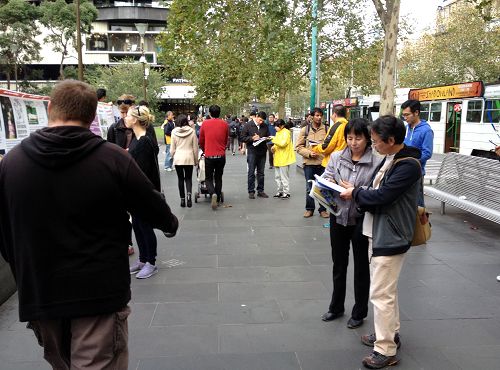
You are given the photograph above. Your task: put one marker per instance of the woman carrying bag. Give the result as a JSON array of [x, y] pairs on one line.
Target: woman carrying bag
[[184, 150], [145, 153]]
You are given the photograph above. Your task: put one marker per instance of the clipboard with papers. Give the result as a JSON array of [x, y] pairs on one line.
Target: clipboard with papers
[[327, 193], [262, 139]]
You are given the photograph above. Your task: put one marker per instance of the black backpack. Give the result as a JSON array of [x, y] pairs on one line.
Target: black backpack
[[233, 129]]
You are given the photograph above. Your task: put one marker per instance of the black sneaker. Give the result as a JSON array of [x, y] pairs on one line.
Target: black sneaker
[[285, 196], [369, 340], [279, 194], [378, 361]]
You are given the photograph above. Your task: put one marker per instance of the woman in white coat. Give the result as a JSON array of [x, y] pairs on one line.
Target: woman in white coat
[[184, 150]]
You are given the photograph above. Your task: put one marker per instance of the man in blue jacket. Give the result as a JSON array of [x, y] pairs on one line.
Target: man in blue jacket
[[419, 134]]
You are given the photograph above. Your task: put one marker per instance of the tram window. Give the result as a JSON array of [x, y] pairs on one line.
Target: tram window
[[474, 109], [492, 111], [424, 112], [435, 115]]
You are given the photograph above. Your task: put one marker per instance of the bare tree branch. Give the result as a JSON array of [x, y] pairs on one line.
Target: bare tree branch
[[382, 13]]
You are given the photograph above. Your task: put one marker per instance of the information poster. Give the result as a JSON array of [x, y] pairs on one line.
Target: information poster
[[20, 114]]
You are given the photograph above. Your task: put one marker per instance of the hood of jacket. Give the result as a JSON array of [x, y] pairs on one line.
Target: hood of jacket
[[413, 133], [408, 151], [183, 131], [61, 146]]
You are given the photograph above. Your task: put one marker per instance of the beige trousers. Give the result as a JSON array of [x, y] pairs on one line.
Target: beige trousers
[[282, 178], [384, 274], [90, 343]]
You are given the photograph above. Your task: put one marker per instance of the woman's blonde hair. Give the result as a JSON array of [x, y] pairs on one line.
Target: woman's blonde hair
[[143, 115]]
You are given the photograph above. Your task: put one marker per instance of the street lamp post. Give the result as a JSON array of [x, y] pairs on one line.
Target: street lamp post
[[14, 48], [142, 28], [79, 40]]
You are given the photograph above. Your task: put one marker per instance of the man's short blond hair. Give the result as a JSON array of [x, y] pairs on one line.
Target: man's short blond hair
[[73, 100]]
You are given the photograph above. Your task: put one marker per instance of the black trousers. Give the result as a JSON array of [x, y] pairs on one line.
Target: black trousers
[[184, 176], [256, 161], [340, 240], [214, 169]]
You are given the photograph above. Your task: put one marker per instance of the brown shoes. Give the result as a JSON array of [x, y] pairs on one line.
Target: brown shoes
[[308, 214], [324, 214]]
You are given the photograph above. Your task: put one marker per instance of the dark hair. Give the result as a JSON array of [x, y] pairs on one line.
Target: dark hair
[[101, 93], [317, 110], [181, 120], [389, 126], [144, 103], [360, 127], [339, 110], [262, 115], [214, 111], [73, 100], [280, 123], [414, 105], [271, 115]]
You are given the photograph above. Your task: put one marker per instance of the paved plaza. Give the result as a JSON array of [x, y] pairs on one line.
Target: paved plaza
[[243, 288]]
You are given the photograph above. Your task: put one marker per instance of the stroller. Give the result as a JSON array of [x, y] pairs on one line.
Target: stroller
[[200, 175]]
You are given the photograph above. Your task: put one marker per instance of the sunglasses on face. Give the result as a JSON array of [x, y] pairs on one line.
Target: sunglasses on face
[[126, 101]]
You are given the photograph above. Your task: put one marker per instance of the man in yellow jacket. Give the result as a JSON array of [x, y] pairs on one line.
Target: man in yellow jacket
[[334, 139]]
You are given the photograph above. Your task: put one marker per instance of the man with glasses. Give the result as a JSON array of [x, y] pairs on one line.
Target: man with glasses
[[419, 134]]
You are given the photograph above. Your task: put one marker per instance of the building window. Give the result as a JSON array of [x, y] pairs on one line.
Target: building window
[[435, 115], [492, 111], [424, 111], [474, 109]]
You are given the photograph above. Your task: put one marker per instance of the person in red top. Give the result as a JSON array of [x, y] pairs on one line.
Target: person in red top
[[214, 136]]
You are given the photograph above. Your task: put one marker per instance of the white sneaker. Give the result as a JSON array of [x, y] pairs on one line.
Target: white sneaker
[[498, 278], [147, 271], [169, 169], [136, 267]]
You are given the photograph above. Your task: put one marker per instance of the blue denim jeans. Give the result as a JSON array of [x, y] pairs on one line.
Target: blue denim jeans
[[169, 161], [256, 162], [309, 172]]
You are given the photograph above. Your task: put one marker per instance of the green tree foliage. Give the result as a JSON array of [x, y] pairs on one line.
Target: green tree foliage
[[18, 31], [127, 78], [236, 50], [465, 50], [59, 18]]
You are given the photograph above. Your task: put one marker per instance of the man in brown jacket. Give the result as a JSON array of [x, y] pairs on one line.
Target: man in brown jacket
[[311, 135]]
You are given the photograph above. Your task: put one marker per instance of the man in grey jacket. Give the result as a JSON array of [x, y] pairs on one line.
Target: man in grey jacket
[[391, 205]]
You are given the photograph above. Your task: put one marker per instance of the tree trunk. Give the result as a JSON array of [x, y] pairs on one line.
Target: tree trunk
[[390, 22], [8, 78], [281, 103]]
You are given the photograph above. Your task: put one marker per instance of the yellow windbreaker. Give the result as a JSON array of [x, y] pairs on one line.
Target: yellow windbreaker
[[334, 141], [284, 154]]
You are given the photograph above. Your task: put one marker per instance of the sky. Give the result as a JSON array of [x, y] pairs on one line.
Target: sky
[[422, 13]]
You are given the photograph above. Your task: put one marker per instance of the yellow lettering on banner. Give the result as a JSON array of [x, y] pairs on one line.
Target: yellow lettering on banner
[[459, 91]]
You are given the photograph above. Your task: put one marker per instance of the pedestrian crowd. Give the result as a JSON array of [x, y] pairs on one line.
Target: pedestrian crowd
[[64, 252]]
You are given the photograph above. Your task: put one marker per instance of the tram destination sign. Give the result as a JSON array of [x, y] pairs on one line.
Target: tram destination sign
[[459, 91]]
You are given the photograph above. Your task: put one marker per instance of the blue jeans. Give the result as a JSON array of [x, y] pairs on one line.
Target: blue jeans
[[256, 161], [146, 240], [169, 161], [309, 172]]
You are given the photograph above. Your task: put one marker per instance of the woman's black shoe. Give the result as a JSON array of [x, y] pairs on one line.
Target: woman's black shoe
[[330, 316], [183, 202], [353, 323], [189, 202]]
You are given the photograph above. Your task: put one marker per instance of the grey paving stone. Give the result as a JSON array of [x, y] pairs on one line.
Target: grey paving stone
[[293, 273], [248, 292], [173, 341], [189, 261], [474, 357], [24, 365], [168, 314], [240, 361], [285, 337], [19, 346], [305, 310], [319, 258], [141, 315], [272, 260], [175, 293]]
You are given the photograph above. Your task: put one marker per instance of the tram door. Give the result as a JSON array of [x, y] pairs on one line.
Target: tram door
[[453, 119]]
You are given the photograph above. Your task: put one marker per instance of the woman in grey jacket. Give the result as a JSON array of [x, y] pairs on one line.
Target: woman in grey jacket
[[353, 166], [184, 150]]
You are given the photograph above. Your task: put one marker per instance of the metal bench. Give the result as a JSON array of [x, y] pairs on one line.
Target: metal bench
[[470, 183]]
